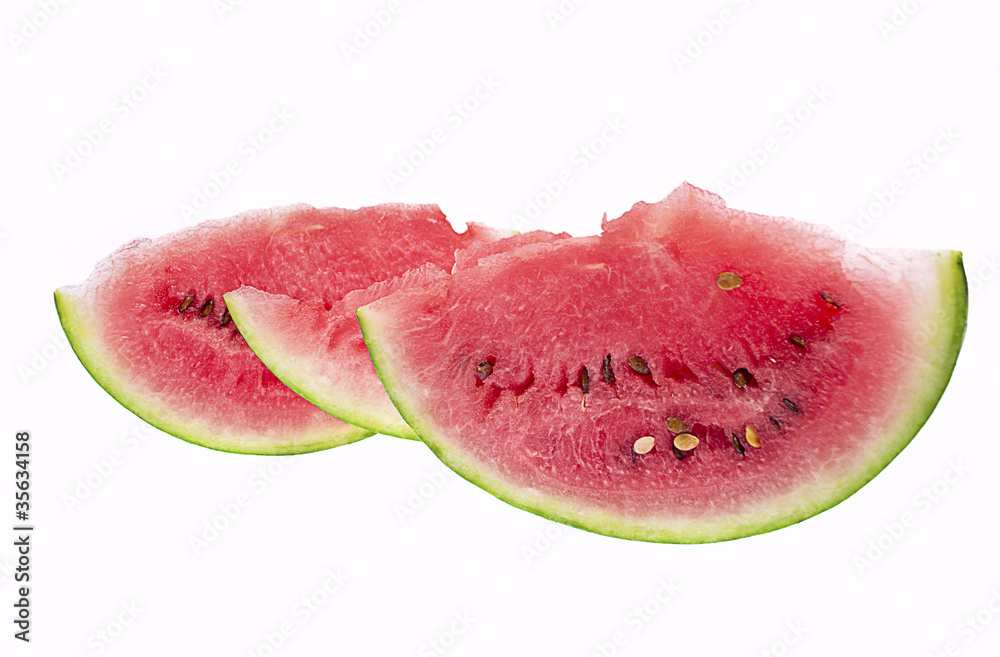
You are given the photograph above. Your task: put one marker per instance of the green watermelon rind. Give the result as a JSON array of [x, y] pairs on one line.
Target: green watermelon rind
[[305, 386], [946, 312], [83, 334]]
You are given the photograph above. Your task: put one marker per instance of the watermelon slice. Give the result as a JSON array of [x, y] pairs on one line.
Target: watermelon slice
[[151, 326], [695, 374], [317, 350]]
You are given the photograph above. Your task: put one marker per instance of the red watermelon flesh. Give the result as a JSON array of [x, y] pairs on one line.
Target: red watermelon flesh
[[691, 319], [317, 350], [152, 327]]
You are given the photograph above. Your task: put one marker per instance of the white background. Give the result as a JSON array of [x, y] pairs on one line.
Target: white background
[[879, 96]]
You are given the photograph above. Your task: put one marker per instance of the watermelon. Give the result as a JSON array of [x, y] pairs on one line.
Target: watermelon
[[317, 350], [694, 374], [150, 324]]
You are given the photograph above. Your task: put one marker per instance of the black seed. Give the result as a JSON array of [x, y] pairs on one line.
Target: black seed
[[609, 374], [738, 445], [226, 318], [484, 369], [797, 341], [638, 365], [206, 310], [585, 380], [777, 425], [791, 405], [829, 299], [742, 377], [679, 454], [188, 300]]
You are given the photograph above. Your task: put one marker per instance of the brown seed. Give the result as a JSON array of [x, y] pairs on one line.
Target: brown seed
[[607, 371], [727, 280], [206, 310], [226, 318], [644, 445], [752, 438], [678, 453], [738, 446], [797, 341], [791, 405], [585, 380], [676, 425], [638, 365], [777, 425], [484, 369], [742, 377], [188, 300], [829, 299], [685, 442]]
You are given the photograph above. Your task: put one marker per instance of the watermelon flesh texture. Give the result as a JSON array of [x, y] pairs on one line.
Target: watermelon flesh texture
[[317, 350], [877, 336], [151, 325]]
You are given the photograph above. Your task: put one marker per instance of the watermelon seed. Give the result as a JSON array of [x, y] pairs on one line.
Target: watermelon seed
[[791, 405], [676, 425], [752, 438], [226, 318], [609, 374], [678, 453], [727, 280], [742, 377], [644, 445], [206, 310], [829, 299], [638, 366], [685, 442], [585, 380], [483, 370], [740, 449], [777, 425], [188, 300], [797, 341]]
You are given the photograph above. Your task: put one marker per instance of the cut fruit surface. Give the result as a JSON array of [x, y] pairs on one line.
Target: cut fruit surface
[[152, 327], [694, 374], [317, 349]]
